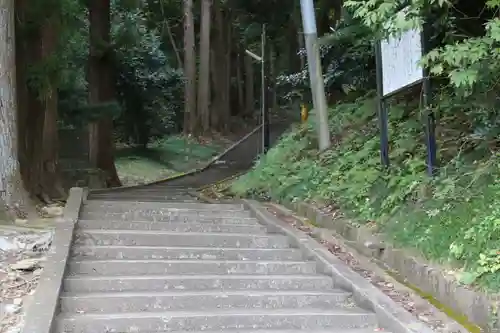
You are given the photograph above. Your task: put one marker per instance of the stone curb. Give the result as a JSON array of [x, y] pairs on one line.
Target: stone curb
[[393, 317], [40, 314], [476, 306], [378, 270]]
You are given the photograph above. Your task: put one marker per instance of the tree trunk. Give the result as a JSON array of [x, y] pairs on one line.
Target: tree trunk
[[189, 69], [240, 83], [227, 81], [174, 45], [218, 67], [101, 89], [249, 86], [23, 58], [294, 37], [272, 78], [13, 199], [300, 38], [37, 110], [52, 186], [216, 94], [222, 68], [204, 76]]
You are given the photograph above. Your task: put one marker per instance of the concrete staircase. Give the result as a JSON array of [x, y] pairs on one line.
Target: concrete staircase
[[192, 267], [160, 192]]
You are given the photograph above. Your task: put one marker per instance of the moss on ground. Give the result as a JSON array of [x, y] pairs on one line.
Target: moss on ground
[[163, 159]]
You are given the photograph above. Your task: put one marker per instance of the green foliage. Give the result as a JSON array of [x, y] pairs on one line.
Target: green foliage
[[350, 173], [149, 89], [460, 224], [347, 58], [469, 60], [470, 64], [453, 218]]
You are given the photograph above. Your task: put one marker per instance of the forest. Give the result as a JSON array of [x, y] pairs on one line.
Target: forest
[[136, 71], [121, 73]]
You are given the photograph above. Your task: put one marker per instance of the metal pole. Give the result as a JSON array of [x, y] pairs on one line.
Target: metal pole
[[430, 121], [264, 91], [382, 108], [315, 72]]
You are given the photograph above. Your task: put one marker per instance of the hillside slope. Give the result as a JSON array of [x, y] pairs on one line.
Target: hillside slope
[[454, 218]]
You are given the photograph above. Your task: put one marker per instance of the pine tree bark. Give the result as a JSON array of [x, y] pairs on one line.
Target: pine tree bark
[[227, 81], [37, 110], [221, 68], [52, 186], [240, 83], [204, 74], [101, 89], [13, 198], [189, 69]]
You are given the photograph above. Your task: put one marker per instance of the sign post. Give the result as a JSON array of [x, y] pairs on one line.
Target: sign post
[[382, 110], [398, 68]]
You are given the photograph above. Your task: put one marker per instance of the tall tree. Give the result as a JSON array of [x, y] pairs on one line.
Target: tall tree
[[240, 84], [37, 71], [204, 76], [101, 89], [189, 69], [221, 66], [49, 164], [12, 195]]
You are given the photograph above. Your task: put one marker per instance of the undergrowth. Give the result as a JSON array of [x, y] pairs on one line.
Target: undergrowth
[[453, 218]]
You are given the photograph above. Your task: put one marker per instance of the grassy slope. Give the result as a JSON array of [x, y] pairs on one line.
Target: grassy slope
[[163, 159], [454, 219]]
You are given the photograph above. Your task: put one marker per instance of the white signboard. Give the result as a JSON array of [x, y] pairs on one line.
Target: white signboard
[[400, 58]]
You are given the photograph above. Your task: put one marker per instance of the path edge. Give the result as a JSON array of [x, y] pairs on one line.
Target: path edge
[[39, 316], [182, 174], [393, 317]]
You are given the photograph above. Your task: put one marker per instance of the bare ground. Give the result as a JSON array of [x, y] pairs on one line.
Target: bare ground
[[23, 248]]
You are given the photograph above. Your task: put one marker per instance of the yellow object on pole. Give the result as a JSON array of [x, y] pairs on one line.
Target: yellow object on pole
[[304, 113]]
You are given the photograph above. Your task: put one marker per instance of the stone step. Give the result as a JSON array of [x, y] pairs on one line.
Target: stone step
[[156, 190], [189, 267], [109, 195], [184, 198], [146, 188], [372, 329], [171, 218], [224, 282], [169, 253], [142, 322], [129, 191], [140, 214], [252, 228], [92, 237], [125, 206], [117, 302]]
